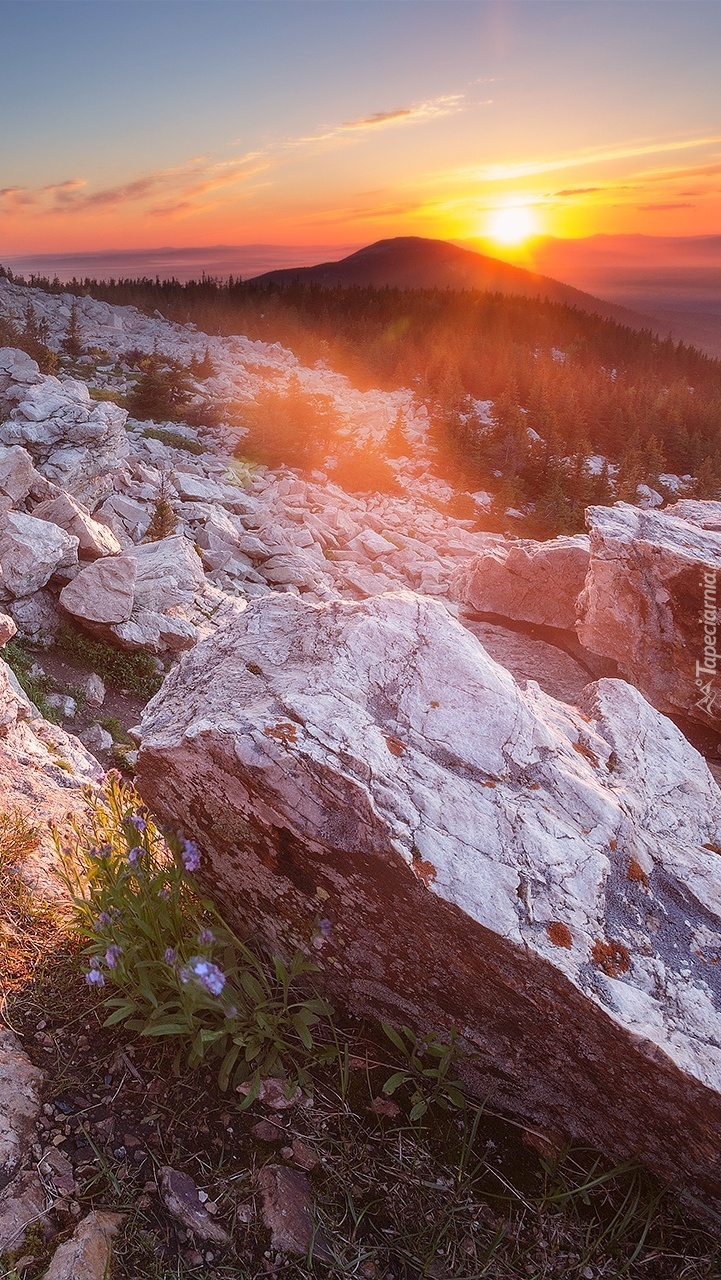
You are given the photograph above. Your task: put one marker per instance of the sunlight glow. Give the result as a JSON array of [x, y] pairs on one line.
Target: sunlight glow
[[512, 224]]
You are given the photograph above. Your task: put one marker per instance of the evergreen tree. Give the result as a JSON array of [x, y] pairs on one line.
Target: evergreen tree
[[71, 343]]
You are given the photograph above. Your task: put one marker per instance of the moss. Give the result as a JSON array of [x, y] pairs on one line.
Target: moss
[[174, 439]]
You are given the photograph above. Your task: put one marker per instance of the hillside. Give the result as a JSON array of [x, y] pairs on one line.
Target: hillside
[[413, 262]]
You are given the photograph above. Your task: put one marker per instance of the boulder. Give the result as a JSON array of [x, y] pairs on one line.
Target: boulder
[[525, 580], [103, 592], [94, 539], [651, 602], [465, 854], [30, 552]]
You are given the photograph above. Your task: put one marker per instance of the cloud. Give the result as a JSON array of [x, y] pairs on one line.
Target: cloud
[[577, 191], [593, 155], [166, 192], [432, 109], [669, 204]]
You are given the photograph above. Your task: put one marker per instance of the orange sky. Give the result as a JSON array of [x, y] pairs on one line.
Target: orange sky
[[298, 123]]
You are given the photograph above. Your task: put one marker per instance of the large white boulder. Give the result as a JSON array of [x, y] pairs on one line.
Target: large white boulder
[[465, 853], [526, 581], [103, 592], [30, 552], [652, 602]]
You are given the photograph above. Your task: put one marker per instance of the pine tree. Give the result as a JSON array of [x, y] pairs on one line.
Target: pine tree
[[71, 343]]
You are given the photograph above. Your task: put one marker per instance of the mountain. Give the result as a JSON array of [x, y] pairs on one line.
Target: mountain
[[413, 262]]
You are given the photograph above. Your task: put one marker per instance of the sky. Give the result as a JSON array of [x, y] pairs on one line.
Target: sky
[[128, 124]]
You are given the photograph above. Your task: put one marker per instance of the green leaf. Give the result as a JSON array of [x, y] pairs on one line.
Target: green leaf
[[395, 1038], [395, 1081], [418, 1110], [123, 1011], [303, 1033], [166, 1029], [227, 1065]]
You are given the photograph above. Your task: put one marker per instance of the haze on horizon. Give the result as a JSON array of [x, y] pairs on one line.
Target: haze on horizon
[[327, 125]]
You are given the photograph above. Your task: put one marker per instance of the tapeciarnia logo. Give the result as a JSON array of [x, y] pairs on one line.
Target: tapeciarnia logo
[[709, 665]]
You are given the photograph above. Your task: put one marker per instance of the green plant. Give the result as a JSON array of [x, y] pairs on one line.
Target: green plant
[[429, 1071], [36, 687], [175, 968], [134, 671], [112, 725]]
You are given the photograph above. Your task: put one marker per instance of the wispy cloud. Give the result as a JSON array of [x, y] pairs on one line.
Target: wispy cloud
[[594, 155], [668, 204], [166, 192], [419, 112]]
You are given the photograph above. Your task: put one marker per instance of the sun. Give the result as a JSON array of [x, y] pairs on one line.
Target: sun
[[512, 224]]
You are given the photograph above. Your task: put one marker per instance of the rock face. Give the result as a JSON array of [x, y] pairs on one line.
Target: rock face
[[651, 602], [42, 772], [19, 1103], [546, 880], [525, 580]]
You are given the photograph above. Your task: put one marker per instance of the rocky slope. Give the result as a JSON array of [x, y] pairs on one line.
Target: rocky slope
[[410, 797]]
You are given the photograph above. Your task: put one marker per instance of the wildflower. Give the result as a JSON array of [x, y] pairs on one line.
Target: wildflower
[[135, 854], [103, 919], [139, 823], [164, 894], [324, 928], [169, 956], [207, 973], [113, 775], [94, 977], [100, 851], [190, 854], [206, 937], [230, 1010], [111, 956]]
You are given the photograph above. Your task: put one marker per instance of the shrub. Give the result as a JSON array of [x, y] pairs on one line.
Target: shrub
[[173, 439]]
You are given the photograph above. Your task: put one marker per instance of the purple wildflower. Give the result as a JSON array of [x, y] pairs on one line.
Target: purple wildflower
[[324, 928], [103, 919], [163, 893], [169, 956], [206, 937], [112, 955], [100, 851], [190, 854], [139, 823], [94, 977], [207, 973], [135, 854]]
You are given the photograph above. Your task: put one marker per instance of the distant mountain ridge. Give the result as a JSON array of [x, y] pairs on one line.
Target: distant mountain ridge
[[414, 262]]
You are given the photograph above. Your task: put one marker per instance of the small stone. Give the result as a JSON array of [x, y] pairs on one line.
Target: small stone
[[87, 1253], [287, 1203], [267, 1131], [182, 1200]]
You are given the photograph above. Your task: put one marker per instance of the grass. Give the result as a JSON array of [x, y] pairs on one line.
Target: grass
[[174, 439], [136, 672], [119, 735], [457, 1193], [37, 688]]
